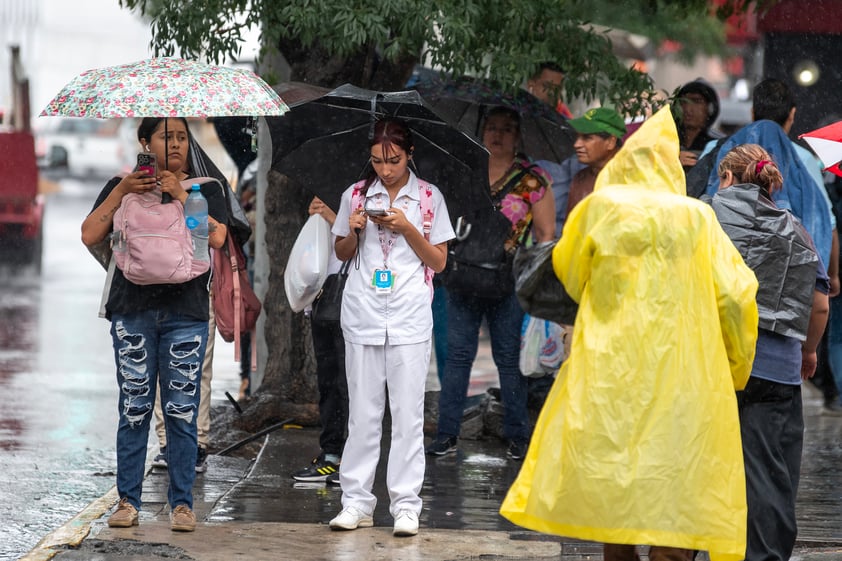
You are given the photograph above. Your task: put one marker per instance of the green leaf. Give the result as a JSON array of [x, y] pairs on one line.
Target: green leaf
[[505, 39]]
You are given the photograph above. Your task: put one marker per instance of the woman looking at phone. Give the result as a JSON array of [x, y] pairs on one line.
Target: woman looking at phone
[[387, 323], [158, 331]]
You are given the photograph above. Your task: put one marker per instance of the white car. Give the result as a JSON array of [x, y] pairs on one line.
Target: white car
[[86, 148]]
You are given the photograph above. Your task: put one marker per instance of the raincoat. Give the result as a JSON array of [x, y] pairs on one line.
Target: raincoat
[[800, 194], [779, 251], [639, 439]]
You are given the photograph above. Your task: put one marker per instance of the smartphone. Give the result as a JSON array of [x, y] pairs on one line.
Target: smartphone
[[376, 211], [148, 162]]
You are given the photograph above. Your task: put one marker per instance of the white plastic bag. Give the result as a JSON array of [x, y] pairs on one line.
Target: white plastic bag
[[306, 269], [541, 347]]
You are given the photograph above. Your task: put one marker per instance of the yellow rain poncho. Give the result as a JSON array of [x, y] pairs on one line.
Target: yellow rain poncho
[[639, 439]]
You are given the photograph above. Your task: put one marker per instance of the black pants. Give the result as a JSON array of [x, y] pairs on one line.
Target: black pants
[[772, 428], [329, 347], [823, 378], [621, 552]]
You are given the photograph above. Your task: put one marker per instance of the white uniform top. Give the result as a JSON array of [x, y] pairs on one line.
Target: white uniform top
[[404, 315]]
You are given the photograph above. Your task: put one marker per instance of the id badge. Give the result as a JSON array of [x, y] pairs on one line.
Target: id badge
[[382, 281]]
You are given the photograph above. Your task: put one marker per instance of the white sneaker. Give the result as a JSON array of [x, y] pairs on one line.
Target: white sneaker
[[350, 519], [406, 523]]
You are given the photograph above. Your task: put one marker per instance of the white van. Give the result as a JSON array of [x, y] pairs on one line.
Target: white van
[[86, 148]]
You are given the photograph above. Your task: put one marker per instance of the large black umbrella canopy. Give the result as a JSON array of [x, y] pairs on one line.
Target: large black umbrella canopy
[[465, 101], [323, 143]]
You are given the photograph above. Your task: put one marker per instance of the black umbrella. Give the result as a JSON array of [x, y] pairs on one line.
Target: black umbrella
[[465, 101], [322, 143]]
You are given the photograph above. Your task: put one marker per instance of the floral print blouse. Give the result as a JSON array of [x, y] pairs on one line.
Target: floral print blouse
[[517, 204]]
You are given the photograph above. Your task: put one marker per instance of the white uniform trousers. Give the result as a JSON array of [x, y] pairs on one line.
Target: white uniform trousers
[[370, 370]]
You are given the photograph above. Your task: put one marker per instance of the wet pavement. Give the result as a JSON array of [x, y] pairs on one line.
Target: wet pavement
[[56, 453], [254, 509], [58, 395]]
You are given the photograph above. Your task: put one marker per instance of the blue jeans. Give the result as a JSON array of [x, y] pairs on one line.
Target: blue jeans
[[834, 340], [440, 329], [149, 345], [504, 318]]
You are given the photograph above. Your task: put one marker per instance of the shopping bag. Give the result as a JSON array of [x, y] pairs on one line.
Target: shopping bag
[[306, 268], [542, 348], [538, 289]]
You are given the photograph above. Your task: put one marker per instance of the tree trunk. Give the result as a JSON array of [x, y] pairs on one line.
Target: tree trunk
[[289, 390]]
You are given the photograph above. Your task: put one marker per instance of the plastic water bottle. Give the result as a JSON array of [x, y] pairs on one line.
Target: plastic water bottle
[[196, 216], [118, 241]]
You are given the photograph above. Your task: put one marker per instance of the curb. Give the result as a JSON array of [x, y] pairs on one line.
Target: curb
[[74, 531]]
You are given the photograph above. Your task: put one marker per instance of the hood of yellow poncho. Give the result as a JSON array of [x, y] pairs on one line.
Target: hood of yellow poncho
[[649, 158]]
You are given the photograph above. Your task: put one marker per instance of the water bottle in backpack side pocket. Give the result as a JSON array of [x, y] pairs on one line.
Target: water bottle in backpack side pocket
[[118, 241], [196, 216]]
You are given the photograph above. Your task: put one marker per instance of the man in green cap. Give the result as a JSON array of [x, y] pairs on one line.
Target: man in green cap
[[600, 133]]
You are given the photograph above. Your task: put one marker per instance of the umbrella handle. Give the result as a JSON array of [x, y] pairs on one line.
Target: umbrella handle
[[166, 197], [462, 230]]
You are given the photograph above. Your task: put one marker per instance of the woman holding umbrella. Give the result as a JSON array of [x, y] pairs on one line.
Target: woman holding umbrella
[[387, 323], [525, 199], [158, 330]]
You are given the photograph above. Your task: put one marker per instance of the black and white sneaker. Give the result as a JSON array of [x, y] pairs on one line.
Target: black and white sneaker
[[201, 460], [517, 450], [318, 470], [442, 445], [160, 461]]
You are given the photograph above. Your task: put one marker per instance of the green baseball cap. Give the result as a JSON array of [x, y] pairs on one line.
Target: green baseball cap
[[600, 119]]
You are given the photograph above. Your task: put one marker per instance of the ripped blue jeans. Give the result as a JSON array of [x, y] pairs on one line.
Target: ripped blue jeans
[[150, 346]]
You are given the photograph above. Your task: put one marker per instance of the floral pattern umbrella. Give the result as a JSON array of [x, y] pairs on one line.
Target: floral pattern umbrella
[[166, 87]]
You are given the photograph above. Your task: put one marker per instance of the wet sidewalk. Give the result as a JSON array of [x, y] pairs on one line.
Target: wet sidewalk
[[256, 509], [253, 509]]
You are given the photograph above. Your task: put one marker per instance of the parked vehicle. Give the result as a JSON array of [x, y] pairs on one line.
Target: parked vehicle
[[21, 205], [89, 148]]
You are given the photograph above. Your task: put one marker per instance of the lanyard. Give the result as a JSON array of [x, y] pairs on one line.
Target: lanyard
[[386, 245]]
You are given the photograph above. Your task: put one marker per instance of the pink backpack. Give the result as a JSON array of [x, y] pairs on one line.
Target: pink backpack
[[152, 243]]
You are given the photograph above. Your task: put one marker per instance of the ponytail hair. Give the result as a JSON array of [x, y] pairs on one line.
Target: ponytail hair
[[750, 163]]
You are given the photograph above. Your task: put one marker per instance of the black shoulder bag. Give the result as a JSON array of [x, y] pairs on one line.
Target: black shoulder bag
[[328, 304], [477, 261]]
